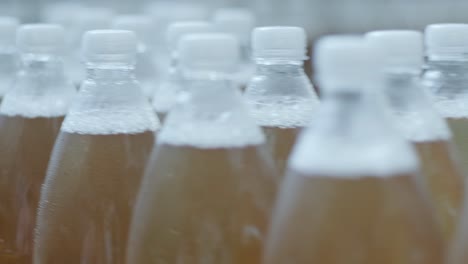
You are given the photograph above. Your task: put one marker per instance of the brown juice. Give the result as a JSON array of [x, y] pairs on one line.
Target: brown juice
[[459, 129], [458, 251], [25, 147], [203, 206], [280, 142], [445, 182], [365, 220], [88, 197]]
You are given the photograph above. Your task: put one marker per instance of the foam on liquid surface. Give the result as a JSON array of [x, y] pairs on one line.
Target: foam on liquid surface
[[166, 95], [223, 123], [35, 104], [283, 111], [418, 128], [452, 107], [340, 158], [116, 109]]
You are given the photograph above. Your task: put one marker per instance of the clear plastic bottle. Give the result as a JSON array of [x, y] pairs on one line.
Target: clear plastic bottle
[[419, 122], [239, 22], [447, 78], [209, 188], [30, 117], [165, 13], [145, 69], [98, 160], [86, 19], [8, 53], [352, 193], [170, 87], [280, 95]]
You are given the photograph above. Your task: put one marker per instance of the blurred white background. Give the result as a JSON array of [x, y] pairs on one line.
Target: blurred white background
[[318, 16]]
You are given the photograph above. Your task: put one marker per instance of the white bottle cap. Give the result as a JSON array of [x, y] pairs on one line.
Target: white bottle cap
[[446, 40], [141, 25], [279, 43], [179, 29], [8, 28], [209, 52], [237, 21], [346, 62], [400, 48], [109, 46], [41, 38]]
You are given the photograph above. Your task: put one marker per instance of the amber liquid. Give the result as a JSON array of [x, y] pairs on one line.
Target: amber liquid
[[366, 220], [459, 129], [445, 182], [280, 142], [25, 147], [203, 206], [459, 250], [88, 198]]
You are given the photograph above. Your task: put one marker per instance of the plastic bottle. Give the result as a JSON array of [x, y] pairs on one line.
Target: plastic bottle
[[419, 122], [170, 87], [210, 186], [447, 78], [98, 160], [280, 95], [8, 53], [165, 13], [145, 69], [239, 22], [30, 117], [87, 19], [352, 193]]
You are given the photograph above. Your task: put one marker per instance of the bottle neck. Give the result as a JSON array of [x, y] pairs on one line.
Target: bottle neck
[[352, 111], [210, 86], [280, 67], [173, 69], [447, 78], [115, 72], [47, 65], [404, 92], [347, 101], [246, 54]]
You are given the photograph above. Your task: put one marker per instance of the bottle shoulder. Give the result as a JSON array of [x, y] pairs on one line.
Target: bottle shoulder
[[38, 95], [203, 121], [351, 142], [282, 101], [110, 108]]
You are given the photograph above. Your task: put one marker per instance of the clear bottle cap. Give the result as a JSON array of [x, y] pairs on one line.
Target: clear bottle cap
[[279, 43], [41, 38], [446, 40], [400, 48], [8, 28], [180, 29], [141, 25], [109, 46], [346, 62], [237, 21], [209, 52]]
